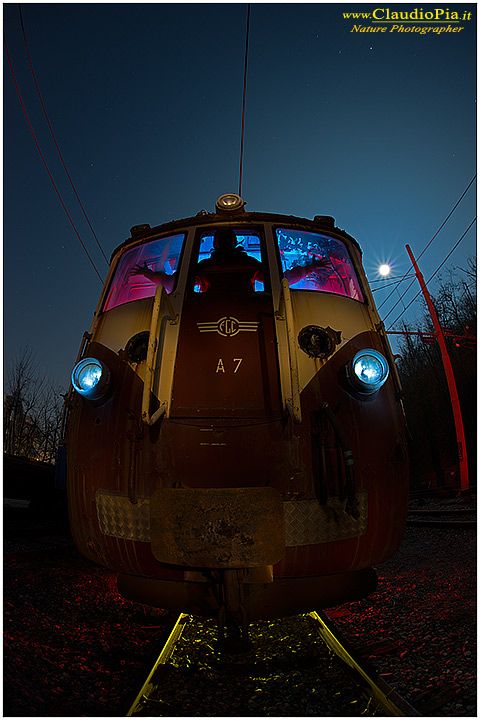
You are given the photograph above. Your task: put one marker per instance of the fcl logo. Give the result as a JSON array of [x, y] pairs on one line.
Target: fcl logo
[[228, 326]]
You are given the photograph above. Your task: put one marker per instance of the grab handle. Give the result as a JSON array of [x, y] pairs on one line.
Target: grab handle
[[161, 298], [292, 399]]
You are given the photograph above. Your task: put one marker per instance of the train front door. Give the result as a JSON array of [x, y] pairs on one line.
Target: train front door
[[226, 365]]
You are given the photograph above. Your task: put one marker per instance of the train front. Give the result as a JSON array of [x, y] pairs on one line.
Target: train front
[[235, 440]]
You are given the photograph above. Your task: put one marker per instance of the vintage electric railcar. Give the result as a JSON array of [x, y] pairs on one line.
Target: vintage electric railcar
[[235, 439]]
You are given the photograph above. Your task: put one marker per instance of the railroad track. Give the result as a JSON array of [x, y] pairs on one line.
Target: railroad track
[[298, 666], [146, 696], [460, 519]]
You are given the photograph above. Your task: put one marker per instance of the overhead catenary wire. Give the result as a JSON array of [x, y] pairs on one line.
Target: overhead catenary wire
[[397, 278], [395, 283], [428, 245], [43, 159], [54, 138], [433, 274], [400, 300], [247, 34]]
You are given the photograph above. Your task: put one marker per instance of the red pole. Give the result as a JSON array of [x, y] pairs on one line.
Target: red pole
[[452, 386]]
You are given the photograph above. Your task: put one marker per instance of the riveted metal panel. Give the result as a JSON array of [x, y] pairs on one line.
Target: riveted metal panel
[[119, 517], [305, 521], [309, 523]]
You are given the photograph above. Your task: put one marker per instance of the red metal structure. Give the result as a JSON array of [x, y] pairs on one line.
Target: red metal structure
[[452, 386]]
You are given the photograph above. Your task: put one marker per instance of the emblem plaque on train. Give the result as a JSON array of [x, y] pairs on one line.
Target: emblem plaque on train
[[228, 326]]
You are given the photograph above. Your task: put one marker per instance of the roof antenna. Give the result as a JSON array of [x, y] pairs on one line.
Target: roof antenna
[[244, 98]]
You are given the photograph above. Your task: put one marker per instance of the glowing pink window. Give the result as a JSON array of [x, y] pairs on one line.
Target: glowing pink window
[[141, 269], [311, 261]]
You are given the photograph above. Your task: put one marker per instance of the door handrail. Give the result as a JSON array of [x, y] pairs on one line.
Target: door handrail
[[292, 401], [161, 298]]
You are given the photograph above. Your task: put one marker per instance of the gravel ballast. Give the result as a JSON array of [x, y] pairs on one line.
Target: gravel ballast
[[74, 646], [424, 610]]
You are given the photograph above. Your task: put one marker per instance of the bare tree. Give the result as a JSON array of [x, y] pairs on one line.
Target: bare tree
[[32, 411], [456, 301], [50, 417], [427, 401]]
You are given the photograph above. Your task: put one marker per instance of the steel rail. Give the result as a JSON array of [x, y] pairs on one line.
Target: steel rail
[[446, 519], [446, 524], [149, 686], [377, 688], [446, 511], [381, 695]]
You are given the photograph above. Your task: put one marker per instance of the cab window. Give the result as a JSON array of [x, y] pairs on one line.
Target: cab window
[[141, 269], [229, 262], [311, 261]]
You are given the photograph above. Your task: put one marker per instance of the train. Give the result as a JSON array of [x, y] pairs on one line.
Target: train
[[236, 445]]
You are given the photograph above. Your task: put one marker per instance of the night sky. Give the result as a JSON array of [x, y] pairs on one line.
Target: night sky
[[376, 129]]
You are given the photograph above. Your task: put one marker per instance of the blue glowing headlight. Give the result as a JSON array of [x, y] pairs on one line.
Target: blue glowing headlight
[[91, 378], [367, 371]]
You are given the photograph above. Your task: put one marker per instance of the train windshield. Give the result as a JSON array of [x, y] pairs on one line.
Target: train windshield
[[143, 268], [311, 261], [230, 262]]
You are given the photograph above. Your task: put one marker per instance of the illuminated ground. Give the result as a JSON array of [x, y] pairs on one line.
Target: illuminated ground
[[73, 645]]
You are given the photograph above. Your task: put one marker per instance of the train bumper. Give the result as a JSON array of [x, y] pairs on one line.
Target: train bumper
[[283, 597], [217, 528], [222, 528]]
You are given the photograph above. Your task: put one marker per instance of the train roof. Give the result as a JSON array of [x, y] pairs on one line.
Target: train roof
[[320, 223]]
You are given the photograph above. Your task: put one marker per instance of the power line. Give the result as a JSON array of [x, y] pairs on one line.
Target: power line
[[247, 34], [400, 298], [428, 245], [448, 216], [433, 275], [54, 138], [390, 277], [43, 159], [395, 282]]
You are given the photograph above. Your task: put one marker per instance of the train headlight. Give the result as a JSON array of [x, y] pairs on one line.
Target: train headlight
[[229, 202], [367, 371], [91, 378]]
